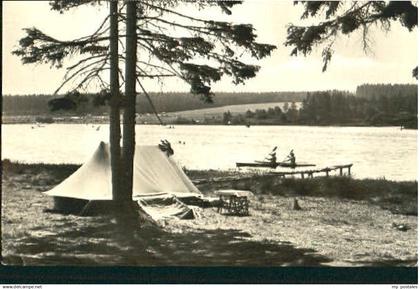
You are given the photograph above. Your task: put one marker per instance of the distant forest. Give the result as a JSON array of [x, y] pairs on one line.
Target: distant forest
[[164, 102], [372, 104]]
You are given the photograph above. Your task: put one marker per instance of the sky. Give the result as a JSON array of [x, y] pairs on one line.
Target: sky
[[391, 60]]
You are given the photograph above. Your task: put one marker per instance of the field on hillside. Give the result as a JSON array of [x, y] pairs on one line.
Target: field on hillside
[[210, 113], [234, 109]]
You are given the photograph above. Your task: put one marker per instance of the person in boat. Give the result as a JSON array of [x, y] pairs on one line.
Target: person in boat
[[292, 158], [272, 157]]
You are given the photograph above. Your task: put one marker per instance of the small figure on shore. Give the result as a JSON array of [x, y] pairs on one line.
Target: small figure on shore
[[296, 205], [400, 227]]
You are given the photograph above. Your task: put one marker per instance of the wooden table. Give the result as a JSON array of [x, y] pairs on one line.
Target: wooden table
[[233, 202]]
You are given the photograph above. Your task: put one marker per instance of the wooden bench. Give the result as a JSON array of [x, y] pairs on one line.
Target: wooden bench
[[233, 202]]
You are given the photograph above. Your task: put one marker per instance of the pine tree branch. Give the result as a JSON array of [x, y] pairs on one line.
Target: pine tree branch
[[174, 12], [100, 27], [150, 101], [199, 29], [92, 74], [76, 73], [85, 60], [147, 75], [158, 67], [83, 68]]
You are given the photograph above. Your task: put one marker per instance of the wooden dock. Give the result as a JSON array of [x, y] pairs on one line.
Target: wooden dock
[[310, 173]]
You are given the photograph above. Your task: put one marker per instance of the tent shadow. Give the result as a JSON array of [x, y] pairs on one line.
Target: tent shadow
[[101, 241], [229, 248]]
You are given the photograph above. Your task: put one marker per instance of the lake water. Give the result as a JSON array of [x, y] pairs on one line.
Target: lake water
[[375, 152]]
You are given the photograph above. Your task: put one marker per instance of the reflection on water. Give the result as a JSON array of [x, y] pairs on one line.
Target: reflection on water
[[375, 152]]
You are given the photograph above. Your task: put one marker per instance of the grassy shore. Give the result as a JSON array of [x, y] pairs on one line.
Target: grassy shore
[[179, 119], [398, 197], [342, 222]]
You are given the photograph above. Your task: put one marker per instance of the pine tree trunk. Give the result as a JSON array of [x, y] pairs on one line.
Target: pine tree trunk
[[114, 115], [130, 99]]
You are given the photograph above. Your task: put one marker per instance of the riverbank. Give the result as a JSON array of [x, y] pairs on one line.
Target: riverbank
[[342, 222]]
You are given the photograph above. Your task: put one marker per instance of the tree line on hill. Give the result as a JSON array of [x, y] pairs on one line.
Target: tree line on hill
[[164, 102], [386, 105], [389, 90], [371, 104]]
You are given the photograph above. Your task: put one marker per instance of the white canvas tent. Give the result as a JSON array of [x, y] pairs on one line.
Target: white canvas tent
[[158, 184]]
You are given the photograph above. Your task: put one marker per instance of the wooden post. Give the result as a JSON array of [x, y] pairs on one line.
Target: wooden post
[[327, 172], [302, 175], [341, 171], [349, 167]]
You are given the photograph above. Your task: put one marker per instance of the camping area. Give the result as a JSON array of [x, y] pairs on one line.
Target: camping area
[[211, 134], [329, 230]]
